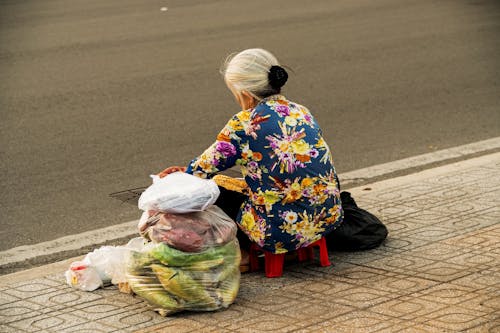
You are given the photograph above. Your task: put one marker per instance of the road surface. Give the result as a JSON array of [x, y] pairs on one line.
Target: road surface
[[96, 95]]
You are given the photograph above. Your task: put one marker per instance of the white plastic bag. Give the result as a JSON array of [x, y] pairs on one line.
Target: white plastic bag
[[109, 261], [81, 275], [101, 266], [179, 193]]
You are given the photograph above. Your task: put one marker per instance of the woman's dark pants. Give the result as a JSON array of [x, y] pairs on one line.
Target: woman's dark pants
[[230, 202]]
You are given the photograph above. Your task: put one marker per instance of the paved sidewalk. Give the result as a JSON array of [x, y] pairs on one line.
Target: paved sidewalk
[[437, 272]]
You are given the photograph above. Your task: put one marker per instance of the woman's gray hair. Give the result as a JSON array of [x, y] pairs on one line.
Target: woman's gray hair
[[248, 71]]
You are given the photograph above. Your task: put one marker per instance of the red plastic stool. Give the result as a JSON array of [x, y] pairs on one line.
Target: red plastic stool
[[307, 253], [274, 262]]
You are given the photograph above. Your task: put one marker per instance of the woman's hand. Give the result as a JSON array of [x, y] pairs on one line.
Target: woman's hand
[[170, 170]]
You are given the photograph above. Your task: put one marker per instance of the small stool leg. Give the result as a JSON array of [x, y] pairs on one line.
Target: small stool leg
[[323, 253], [303, 254], [274, 264]]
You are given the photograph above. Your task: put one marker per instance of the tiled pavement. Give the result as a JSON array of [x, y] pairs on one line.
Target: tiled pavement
[[437, 272]]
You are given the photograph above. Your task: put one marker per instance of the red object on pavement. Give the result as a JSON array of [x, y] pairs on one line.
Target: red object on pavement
[[274, 262], [78, 267], [307, 253]]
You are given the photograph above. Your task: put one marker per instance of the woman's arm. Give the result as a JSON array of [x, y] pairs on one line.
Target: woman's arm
[[224, 152]]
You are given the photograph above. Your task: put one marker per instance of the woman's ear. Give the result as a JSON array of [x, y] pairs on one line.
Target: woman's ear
[[241, 97], [247, 100]]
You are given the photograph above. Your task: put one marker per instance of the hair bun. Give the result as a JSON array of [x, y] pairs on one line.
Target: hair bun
[[277, 76]]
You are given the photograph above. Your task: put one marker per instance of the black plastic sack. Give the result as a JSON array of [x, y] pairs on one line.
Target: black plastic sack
[[360, 230]]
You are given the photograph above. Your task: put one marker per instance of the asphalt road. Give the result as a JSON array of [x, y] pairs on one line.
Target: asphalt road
[[95, 95]]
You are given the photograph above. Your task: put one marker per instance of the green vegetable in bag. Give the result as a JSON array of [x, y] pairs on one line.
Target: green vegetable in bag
[[228, 289], [150, 289], [227, 272], [172, 280], [159, 298], [182, 285], [206, 265], [172, 257], [138, 262]]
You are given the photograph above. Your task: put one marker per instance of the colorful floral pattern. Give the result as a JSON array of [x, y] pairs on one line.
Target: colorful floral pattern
[[294, 193]]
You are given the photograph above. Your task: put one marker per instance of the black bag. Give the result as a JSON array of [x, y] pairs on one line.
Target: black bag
[[359, 231]]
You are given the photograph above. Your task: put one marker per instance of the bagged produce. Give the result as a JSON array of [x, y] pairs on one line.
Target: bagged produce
[[172, 280], [191, 232], [179, 193], [191, 263]]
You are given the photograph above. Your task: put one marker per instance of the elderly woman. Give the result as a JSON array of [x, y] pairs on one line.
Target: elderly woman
[[293, 191]]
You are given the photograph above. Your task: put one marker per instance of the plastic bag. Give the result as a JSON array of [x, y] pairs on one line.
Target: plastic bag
[[179, 192], [104, 265], [360, 230], [81, 275], [193, 232], [173, 280]]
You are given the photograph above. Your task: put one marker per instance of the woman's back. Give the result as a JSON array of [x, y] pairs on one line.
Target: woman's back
[[294, 195]]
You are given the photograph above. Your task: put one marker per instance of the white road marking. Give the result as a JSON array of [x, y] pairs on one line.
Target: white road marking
[[419, 160], [68, 243], [101, 236]]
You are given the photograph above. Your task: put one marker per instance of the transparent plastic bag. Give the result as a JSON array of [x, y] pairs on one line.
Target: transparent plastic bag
[[104, 265], [192, 232], [172, 280], [175, 279], [83, 276], [179, 192]]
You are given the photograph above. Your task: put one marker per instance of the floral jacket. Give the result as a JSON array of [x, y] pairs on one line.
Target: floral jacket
[[294, 191]]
